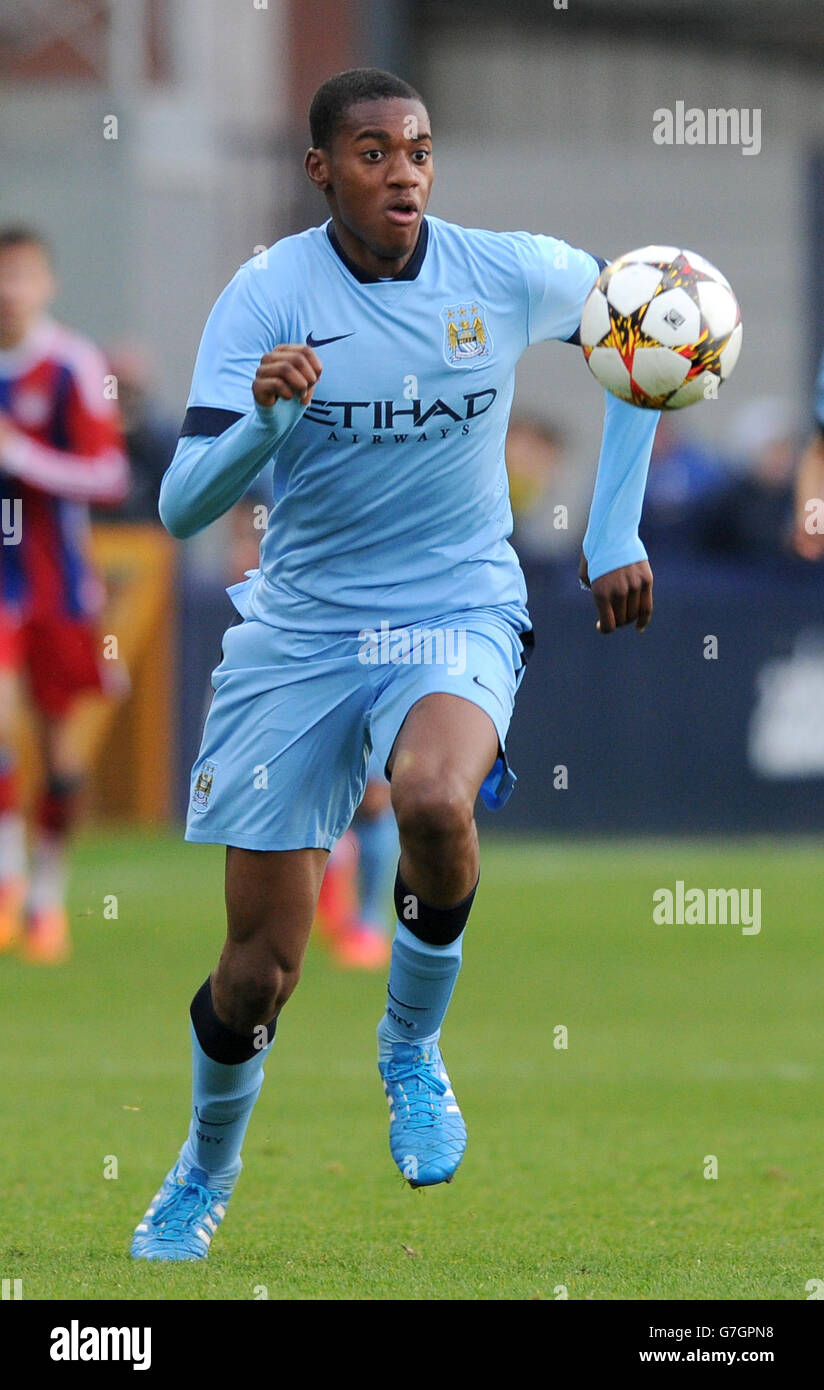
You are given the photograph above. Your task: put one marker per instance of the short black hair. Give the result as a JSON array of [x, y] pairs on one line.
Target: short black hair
[[333, 99], [21, 234]]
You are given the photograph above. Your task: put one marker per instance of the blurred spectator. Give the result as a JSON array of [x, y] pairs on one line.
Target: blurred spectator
[[534, 464], [808, 532], [684, 478], [150, 433], [753, 517]]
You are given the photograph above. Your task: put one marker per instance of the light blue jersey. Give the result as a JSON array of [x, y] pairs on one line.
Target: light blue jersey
[[386, 554], [392, 499]]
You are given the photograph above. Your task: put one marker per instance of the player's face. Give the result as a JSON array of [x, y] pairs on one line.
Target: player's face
[[26, 288], [378, 175]]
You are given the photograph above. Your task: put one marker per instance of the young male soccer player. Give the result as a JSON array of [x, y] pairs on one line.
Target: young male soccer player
[[373, 359], [60, 449]]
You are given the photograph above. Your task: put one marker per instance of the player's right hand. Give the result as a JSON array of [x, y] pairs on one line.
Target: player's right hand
[[292, 369]]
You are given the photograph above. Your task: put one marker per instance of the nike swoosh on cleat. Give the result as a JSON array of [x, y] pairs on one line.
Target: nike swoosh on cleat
[[321, 342], [416, 1008]]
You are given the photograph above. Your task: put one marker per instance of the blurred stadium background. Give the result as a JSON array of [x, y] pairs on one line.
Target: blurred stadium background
[[543, 120]]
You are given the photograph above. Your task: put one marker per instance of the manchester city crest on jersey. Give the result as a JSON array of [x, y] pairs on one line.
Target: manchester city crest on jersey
[[203, 787], [466, 333]]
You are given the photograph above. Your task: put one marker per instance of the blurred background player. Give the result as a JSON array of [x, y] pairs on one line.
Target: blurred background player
[[355, 911], [60, 449]]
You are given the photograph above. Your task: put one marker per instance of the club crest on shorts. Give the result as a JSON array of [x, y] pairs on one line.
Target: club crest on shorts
[[203, 787], [466, 333]]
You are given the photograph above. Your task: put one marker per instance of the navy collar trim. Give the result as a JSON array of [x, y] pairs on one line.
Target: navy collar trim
[[409, 272]]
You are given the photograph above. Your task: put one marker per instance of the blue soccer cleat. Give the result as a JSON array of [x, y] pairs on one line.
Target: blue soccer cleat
[[427, 1134], [182, 1218]]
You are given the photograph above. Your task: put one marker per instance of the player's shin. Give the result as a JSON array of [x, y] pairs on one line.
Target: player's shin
[[49, 873], [47, 939], [56, 816], [426, 959], [227, 1074]]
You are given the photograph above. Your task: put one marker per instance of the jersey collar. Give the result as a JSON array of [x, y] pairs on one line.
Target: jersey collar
[[409, 272]]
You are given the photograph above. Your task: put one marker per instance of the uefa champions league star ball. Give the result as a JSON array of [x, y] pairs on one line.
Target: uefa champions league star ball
[[661, 328]]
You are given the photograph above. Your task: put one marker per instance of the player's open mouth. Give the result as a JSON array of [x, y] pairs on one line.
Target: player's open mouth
[[402, 213]]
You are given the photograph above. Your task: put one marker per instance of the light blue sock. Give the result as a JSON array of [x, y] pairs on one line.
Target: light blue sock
[[378, 847], [223, 1098], [421, 981]]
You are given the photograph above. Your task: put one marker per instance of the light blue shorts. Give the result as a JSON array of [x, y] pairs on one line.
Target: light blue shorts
[[295, 718]]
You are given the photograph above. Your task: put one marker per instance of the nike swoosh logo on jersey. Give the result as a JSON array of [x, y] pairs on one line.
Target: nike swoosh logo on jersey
[[321, 342]]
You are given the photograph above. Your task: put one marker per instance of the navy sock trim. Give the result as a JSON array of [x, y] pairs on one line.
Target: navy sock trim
[[220, 1042], [437, 926]]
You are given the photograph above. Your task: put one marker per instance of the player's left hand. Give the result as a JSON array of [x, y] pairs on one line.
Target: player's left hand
[[622, 596]]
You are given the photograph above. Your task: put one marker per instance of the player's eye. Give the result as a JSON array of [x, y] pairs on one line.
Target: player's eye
[[368, 155], [421, 156]]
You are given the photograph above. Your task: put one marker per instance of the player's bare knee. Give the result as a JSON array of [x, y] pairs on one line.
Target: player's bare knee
[[433, 810], [253, 986], [272, 984]]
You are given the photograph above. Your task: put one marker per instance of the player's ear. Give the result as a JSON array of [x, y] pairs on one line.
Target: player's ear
[[317, 168]]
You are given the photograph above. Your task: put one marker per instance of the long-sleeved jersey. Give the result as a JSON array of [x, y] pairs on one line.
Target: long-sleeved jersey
[[61, 449], [392, 500]]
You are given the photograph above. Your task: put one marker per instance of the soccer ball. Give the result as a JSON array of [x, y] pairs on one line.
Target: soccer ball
[[661, 328]]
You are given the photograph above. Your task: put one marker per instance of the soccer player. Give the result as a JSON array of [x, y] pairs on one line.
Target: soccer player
[[373, 359], [60, 449]]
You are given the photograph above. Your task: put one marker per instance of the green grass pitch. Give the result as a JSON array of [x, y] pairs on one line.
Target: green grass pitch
[[585, 1166]]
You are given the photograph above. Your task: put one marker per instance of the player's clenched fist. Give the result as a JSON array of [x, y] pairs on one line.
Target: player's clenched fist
[[622, 596], [291, 370]]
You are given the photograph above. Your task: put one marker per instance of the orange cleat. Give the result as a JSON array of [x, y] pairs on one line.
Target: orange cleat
[[12, 897], [46, 939], [362, 947]]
